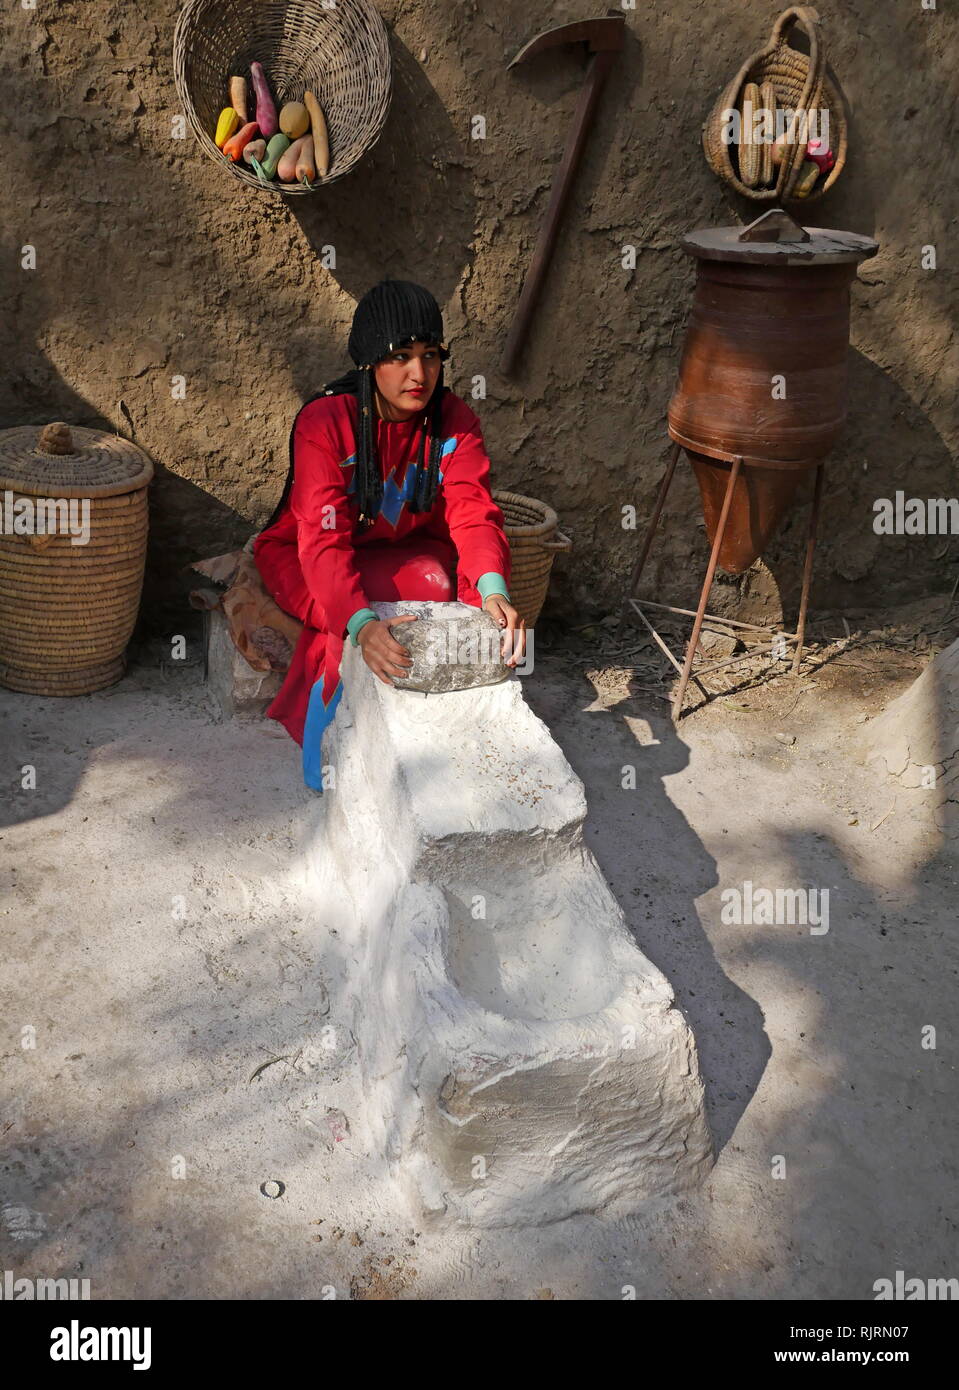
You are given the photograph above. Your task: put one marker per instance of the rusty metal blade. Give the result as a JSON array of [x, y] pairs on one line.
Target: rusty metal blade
[[603, 32]]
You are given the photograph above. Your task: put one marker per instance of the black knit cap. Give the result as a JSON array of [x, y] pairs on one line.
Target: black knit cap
[[391, 315]]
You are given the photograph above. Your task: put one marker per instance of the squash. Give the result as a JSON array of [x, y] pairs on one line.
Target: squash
[[320, 133], [294, 119], [286, 169], [306, 162], [256, 149], [226, 125], [274, 152]]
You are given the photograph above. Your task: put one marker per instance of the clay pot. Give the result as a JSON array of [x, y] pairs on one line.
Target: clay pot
[[763, 370]]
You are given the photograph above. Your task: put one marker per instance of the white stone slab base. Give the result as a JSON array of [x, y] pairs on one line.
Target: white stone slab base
[[521, 1058]]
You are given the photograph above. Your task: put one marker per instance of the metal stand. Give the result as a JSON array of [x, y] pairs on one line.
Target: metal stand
[[633, 607]]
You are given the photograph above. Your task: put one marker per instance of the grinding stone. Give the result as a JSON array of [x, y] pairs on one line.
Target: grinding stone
[[452, 653]]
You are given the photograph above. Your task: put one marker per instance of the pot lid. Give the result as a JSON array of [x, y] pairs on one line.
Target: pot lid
[[776, 239], [60, 460]]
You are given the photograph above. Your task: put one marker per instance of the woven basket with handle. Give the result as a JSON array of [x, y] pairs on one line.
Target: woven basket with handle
[[339, 53], [802, 83], [67, 610], [534, 538]]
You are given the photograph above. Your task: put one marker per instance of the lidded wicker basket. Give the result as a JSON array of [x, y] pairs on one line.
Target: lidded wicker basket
[[73, 530], [802, 83], [340, 53], [534, 538]]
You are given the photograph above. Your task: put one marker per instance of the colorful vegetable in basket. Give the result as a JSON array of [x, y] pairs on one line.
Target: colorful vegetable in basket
[[318, 129], [237, 143], [808, 175], [238, 97], [286, 169], [226, 125], [256, 149], [749, 152], [306, 164], [265, 116], [294, 119], [274, 153], [822, 157]]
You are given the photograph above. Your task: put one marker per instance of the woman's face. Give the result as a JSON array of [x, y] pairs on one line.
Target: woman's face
[[406, 380]]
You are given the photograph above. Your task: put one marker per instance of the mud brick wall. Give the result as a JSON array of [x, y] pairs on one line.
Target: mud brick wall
[[151, 262]]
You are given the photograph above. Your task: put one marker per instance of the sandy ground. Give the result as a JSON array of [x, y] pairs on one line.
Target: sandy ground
[[161, 941]]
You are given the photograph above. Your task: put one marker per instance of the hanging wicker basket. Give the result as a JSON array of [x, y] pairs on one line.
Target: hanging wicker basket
[[802, 83], [67, 610], [534, 538], [339, 53]]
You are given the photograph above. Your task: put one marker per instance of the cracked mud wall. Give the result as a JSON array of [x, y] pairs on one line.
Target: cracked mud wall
[[151, 262]]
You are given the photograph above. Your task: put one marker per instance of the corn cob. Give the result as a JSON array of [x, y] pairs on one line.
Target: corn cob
[[749, 153], [808, 174], [767, 100]]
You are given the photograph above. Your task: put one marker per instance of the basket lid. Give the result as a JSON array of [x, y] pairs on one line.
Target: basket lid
[[775, 239], [60, 460]]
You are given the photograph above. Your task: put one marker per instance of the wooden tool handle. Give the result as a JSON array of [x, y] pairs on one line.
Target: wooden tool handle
[[586, 107]]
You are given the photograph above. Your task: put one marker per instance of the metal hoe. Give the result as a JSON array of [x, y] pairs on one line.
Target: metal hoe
[[604, 37]]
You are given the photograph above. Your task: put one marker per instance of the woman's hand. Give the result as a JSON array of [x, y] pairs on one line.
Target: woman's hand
[[514, 637], [381, 651]]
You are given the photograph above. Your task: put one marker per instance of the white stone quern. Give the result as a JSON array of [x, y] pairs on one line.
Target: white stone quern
[[522, 1060]]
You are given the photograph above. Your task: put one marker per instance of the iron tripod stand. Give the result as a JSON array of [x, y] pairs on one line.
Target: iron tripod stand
[[633, 607]]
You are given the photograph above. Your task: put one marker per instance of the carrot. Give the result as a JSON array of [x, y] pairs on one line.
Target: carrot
[[237, 143]]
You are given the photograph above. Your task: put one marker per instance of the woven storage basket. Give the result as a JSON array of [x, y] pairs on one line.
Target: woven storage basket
[[67, 611], [340, 54], [531, 528], [801, 83]]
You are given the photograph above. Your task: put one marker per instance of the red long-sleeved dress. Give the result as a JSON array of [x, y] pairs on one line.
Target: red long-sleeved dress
[[321, 566]]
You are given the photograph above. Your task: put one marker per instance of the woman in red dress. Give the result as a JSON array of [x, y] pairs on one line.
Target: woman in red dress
[[386, 498]]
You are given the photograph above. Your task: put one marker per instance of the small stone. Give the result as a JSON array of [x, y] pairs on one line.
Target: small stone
[[149, 352], [718, 645], [338, 1124], [273, 1189], [785, 738]]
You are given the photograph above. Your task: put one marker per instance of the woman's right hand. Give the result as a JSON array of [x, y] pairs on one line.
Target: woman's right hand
[[381, 651]]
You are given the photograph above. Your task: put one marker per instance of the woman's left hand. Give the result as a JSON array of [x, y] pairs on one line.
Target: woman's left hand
[[506, 615]]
